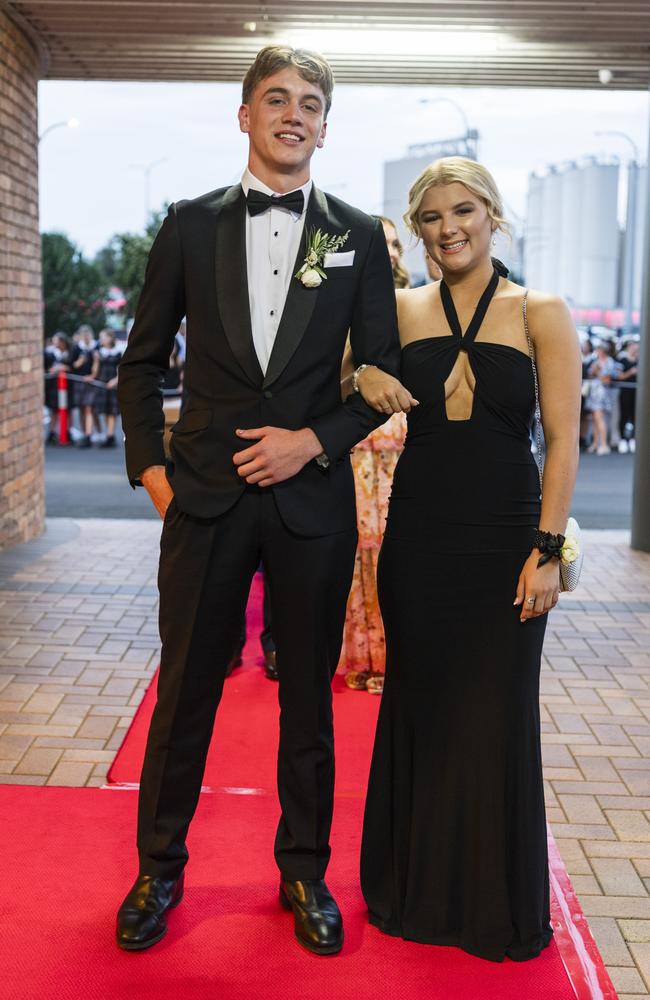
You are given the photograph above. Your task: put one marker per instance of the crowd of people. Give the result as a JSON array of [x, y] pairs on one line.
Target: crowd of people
[[609, 370], [91, 362]]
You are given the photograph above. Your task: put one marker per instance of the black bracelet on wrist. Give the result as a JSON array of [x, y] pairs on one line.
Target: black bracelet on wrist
[[549, 545]]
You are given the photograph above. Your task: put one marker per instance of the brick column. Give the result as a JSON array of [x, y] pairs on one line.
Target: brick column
[[22, 506]]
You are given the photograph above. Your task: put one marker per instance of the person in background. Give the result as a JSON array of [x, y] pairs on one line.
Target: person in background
[[363, 654], [266, 639], [433, 272], [105, 364], [587, 352], [628, 360], [173, 376], [59, 356], [181, 342], [599, 402], [395, 251], [84, 392]]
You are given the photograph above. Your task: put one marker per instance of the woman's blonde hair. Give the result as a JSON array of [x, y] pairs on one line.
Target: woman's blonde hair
[[401, 276], [457, 169]]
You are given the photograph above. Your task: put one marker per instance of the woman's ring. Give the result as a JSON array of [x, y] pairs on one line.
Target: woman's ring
[[530, 600]]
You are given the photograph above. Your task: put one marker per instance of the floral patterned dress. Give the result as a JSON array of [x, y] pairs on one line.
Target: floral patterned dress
[[373, 464]]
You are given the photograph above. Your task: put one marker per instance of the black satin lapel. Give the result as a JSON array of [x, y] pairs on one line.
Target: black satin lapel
[[232, 281], [301, 301]]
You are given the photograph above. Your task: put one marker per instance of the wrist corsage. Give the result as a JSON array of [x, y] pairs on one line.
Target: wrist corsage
[[557, 546]]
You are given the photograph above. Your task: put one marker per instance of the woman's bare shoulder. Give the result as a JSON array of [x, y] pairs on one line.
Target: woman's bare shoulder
[[545, 303], [412, 302], [549, 318], [412, 298], [412, 305]]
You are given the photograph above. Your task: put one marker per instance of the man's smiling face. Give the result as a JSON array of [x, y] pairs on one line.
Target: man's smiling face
[[285, 122]]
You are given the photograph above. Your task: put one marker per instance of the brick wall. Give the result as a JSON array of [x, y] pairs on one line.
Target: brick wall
[[22, 505]]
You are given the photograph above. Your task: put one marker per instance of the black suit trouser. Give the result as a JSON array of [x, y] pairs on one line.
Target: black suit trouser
[[206, 568]]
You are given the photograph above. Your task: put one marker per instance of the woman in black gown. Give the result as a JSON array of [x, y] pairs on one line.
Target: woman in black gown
[[454, 844]]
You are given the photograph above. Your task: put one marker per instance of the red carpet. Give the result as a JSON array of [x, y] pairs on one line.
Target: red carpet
[[71, 859], [244, 748]]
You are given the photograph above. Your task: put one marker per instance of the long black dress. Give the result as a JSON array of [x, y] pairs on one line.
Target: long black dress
[[454, 843]]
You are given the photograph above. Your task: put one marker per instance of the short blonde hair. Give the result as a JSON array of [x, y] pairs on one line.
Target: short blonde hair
[[273, 58], [457, 169]]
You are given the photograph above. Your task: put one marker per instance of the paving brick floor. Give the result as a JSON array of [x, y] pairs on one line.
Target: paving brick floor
[[79, 644]]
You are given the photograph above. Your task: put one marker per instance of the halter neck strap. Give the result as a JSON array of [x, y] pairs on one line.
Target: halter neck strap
[[479, 313]]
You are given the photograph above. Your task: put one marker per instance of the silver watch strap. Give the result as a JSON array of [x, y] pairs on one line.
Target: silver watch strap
[[355, 376]]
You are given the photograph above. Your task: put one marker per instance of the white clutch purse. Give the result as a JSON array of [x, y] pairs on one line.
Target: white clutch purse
[[570, 571]]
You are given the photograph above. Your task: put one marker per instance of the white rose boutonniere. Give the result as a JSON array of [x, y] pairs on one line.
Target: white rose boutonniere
[[311, 278], [311, 273]]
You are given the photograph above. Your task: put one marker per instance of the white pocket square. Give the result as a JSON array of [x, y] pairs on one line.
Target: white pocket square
[[339, 259]]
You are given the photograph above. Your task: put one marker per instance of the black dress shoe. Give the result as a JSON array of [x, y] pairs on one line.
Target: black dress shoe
[[141, 919], [270, 666], [318, 922]]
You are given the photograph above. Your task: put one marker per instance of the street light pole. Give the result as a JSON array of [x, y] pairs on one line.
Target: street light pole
[[454, 104], [470, 136], [629, 246], [146, 169], [70, 123]]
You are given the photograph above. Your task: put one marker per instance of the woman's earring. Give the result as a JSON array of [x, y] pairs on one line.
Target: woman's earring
[[494, 241]]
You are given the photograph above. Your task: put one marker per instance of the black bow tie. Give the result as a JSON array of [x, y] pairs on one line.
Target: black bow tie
[[258, 202]]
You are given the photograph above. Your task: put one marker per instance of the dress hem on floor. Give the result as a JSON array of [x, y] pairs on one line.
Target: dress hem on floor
[[520, 954]]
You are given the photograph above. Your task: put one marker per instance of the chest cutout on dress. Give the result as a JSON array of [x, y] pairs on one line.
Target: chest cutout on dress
[[460, 384], [460, 387]]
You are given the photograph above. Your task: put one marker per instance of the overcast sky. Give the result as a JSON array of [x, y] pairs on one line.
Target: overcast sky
[[90, 190]]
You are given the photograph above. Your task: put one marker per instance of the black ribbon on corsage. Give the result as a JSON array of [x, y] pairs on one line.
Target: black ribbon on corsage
[[549, 545]]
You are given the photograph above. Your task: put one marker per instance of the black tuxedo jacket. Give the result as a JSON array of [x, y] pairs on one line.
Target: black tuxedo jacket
[[197, 268]]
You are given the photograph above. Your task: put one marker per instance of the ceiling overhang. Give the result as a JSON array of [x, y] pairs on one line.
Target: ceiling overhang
[[521, 43]]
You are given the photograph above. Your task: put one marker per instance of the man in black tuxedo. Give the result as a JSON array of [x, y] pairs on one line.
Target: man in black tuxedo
[[259, 470]]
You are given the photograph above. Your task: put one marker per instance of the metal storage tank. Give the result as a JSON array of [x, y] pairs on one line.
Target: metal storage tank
[[639, 233], [596, 242], [571, 213], [552, 226], [572, 242]]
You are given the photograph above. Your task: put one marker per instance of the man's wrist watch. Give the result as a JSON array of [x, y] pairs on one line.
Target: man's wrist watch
[[322, 460], [355, 376]]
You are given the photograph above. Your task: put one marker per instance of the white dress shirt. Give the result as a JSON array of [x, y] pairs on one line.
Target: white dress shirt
[[272, 241]]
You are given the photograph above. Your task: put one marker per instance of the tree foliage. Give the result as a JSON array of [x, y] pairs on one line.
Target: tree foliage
[[124, 258], [73, 288]]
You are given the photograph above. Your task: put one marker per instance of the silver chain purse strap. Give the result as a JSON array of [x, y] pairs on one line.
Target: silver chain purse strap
[[538, 412], [569, 572]]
